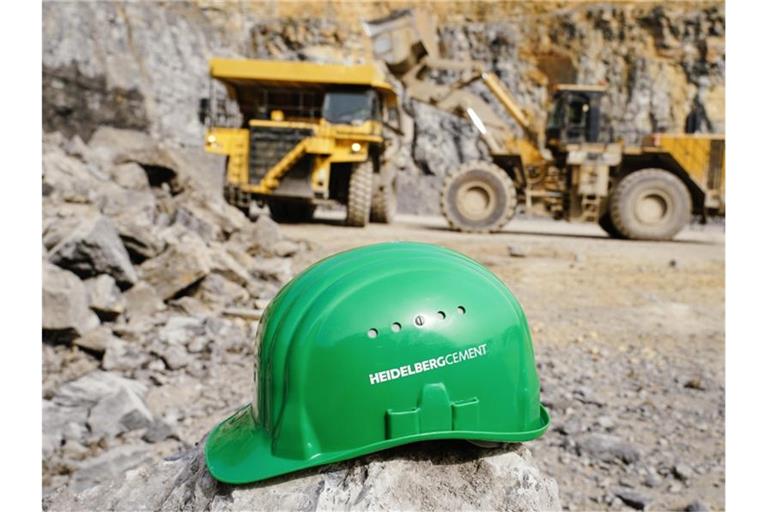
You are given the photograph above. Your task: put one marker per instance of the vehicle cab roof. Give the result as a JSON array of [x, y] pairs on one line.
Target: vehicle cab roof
[[282, 73]]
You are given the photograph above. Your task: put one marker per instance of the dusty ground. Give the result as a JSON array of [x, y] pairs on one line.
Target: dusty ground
[[630, 345], [629, 338]]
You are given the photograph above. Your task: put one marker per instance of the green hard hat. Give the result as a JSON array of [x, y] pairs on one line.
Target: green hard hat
[[377, 347]]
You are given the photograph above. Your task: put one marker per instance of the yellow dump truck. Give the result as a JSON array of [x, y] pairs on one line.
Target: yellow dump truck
[[302, 134], [570, 168]]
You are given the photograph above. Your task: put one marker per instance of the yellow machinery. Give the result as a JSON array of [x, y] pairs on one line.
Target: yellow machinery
[[570, 168], [303, 134]]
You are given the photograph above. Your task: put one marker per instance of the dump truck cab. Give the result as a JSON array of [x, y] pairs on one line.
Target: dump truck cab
[[299, 134]]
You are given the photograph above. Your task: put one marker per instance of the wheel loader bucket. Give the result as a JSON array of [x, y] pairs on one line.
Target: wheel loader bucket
[[403, 38]]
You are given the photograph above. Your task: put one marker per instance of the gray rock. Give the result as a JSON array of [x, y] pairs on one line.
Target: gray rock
[[130, 175], [260, 237], [105, 297], [275, 270], [108, 465], [57, 227], [123, 356], [516, 251], [66, 314], [216, 289], [209, 215], [179, 330], [683, 472], [118, 142], [120, 412], [94, 248], [142, 300], [177, 268], [226, 262], [285, 248], [59, 422], [158, 431], [466, 477], [96, 340], [175, 357], [634, 499], [198, 220], [138, 206], [607, 448], [114, 404], [696, 506], [140, 237], [652, 479], [69, 178]]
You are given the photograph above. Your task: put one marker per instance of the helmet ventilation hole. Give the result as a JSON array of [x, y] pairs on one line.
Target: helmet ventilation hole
[[441, 314], [372, 333], [396, 326], [461, 310]]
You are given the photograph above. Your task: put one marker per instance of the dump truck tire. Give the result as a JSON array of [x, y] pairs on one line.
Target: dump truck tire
[[606, 223], [384, 200], [359, 197], [287, 211], [651, 204], [479, 197]]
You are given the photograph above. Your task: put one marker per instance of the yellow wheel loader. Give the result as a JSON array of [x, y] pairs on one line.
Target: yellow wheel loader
[[570, 168], [300, 134]]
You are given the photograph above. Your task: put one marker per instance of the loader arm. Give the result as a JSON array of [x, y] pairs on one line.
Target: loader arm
[[407, 42]]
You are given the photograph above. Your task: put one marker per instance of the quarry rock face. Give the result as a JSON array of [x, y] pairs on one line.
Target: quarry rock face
[[109, 64], [451, 475]]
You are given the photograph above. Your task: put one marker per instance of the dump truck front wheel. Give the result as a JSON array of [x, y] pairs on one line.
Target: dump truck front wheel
[[288, 211], [651, 204], [479, 197], [359, 196], [384, 200]]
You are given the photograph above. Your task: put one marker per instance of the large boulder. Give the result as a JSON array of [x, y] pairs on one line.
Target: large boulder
[[94, 248], [105, 297], [208, 215], [66, 314], [259, 238], [114, 404], [444, 475], [177, 268]]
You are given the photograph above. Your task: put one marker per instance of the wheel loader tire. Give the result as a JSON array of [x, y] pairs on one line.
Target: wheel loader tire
[[606, 223], [651, 204], [359, 197], [384, 199], [289, 211], [479, 197]]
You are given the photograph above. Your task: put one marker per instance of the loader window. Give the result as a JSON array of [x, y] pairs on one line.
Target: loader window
[[348, 107]]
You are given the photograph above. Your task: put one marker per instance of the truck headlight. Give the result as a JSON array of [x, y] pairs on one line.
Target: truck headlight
[[356, 147], [211, 139]]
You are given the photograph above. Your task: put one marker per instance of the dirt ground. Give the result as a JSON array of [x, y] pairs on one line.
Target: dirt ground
[[629, 338]]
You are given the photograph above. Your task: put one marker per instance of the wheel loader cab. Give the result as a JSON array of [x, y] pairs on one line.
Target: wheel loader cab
[[575, 115]]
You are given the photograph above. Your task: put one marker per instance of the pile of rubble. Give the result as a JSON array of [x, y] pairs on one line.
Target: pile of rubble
[[152, 286]]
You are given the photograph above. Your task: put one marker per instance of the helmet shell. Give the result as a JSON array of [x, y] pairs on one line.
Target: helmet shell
[[376, 347]]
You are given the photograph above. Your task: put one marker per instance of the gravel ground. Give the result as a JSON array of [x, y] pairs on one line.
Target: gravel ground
[[629, 339]]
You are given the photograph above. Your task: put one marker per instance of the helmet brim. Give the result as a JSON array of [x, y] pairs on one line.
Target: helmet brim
[[239, 451]]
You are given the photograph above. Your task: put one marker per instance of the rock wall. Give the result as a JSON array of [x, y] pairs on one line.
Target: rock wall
[[144, 65]]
